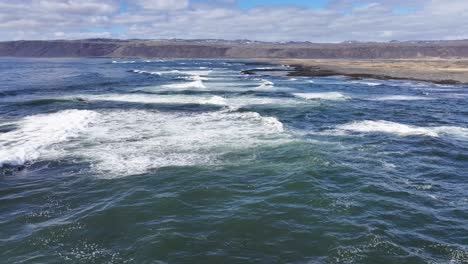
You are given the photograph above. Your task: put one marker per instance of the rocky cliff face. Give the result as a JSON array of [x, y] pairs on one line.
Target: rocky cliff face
[[56, 49], [226, 49]]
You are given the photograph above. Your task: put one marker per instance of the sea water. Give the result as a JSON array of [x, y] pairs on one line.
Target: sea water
[[191, 161]]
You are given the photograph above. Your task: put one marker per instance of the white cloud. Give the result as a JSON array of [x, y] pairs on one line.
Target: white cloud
[[163, 4], [78, 6], [341, 20]]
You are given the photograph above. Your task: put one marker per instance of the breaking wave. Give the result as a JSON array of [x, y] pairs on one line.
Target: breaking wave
[[196, 79], [132, 142], [197, 84], [265, 84], [388, 127], [368, 83], [321, 96], [120, 143], [37, 135], [145, 72], [232, 103], [123, 62]]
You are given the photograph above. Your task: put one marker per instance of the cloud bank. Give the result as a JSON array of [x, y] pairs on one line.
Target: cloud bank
[[334, 21]]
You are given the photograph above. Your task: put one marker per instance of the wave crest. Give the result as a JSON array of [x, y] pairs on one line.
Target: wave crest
[[37, 134], [321, 96], [388, 127]]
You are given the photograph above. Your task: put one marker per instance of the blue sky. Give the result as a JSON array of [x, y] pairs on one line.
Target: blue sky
[[281, 20]]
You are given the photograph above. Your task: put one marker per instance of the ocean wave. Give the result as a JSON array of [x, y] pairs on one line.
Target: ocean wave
[[232, 103], [126, 143], [145, 72], [197, 73], [400, 98], [196, 78], [36, 135], [216, 100], [321, 96], [368, 83], [46, 101], [158, 99], [122, 143], [265, 84], [123, 62], [197, 84], [382, 126]]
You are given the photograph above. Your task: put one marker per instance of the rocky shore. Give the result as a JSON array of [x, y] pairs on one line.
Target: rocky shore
[[441, 71]]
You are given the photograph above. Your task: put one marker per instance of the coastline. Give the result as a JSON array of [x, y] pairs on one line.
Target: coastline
[[439, 71]]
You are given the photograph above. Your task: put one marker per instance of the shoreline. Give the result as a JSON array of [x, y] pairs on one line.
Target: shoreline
[[439, 71]]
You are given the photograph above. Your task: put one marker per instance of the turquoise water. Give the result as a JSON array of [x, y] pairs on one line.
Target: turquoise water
[[190, 161]]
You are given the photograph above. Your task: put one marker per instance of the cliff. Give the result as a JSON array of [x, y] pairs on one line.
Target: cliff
[[232, 49]]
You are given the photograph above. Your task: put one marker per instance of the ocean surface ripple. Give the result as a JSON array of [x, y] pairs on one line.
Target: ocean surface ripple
[[191, 161]]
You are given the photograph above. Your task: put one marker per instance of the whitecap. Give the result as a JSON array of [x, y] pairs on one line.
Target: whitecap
[[216, 100], [196, 78], [145, 72], [232, 103], [452, 131], [122, 143], [123, 62], [133, 142], [198, 84], [37, 135], [156, 99], [382, 126], [265, 84], [368, 83], [321, 96]]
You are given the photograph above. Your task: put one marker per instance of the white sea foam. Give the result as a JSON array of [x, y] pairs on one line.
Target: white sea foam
[[197, 84], [321, 96], [156, 99], [368, 83], [452, 131], [123, 62], [196, 78], [133, 142], [232, 103], [37, 135], [388, 127], [145, 72], [215, 100], [190, 75], [121, 143], [265, 84]]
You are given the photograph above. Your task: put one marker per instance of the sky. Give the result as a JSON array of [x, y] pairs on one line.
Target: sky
[[263, 20]]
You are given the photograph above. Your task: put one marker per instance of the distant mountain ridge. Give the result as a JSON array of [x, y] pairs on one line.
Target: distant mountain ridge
[[240, 49]]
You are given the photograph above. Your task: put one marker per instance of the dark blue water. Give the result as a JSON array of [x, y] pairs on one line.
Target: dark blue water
[[190, 161]]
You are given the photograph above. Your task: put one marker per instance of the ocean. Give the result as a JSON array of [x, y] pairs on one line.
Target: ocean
[[191, 161]]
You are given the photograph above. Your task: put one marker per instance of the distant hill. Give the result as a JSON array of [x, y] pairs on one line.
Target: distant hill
[[233, 49]]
